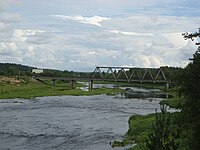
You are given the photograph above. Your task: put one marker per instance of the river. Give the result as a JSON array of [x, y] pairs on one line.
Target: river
[[69, 122]]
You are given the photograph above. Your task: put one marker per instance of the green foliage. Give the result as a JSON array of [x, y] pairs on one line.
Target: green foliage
[[191, 86], [118, 144], [162, 136], [55, 73], [173, 73], [175, 102], [8, 69], [190, 90], [139, 124], [140, 128]]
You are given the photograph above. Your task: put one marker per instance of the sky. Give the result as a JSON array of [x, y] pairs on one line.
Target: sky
[[78, 35]]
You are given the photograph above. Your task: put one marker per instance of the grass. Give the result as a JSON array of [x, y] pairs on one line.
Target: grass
[[36, 89], [30, 89], [139, 127], [138, 124]]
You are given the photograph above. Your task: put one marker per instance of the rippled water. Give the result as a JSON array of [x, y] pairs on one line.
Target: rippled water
[[68, 122]]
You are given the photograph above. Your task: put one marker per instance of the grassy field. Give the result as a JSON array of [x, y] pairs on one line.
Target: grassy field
[[30, 89]]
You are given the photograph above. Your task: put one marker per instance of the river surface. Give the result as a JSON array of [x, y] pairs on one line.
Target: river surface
[[69, 122]]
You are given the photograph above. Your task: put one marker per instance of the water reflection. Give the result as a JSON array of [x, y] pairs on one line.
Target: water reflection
[[131, 92], [97, 86]]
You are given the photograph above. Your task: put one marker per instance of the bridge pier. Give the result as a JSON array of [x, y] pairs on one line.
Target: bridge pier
[[54, 82], [72, 84], [91, 85], [167, 86]]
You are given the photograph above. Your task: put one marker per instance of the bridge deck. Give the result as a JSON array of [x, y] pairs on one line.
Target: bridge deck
[[99, 79]]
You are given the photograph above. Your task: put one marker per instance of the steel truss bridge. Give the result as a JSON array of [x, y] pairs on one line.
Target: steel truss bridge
[[128, 74], [118, 74]]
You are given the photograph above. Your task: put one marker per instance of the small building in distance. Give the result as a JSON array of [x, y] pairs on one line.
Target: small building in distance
[[37, 71]]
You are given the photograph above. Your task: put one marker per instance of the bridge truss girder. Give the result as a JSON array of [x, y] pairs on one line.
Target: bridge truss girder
[[129, 74]]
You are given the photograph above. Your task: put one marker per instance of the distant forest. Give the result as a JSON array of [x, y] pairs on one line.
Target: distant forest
[[9, 69]]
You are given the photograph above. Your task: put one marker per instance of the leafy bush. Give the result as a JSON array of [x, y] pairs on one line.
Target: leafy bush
[[162, 136]]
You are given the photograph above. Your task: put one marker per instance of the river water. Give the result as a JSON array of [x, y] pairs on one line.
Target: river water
[[69, 122]]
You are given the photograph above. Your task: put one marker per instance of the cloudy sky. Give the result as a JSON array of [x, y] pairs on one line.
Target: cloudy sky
[[79, 34]]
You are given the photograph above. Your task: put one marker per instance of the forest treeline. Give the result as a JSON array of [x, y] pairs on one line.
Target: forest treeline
[[10, 69]]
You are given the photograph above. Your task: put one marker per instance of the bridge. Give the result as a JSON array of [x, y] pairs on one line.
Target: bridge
[[118, 74]]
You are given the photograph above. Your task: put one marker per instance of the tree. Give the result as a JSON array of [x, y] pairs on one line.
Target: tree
[[163, 135], [191, 91]]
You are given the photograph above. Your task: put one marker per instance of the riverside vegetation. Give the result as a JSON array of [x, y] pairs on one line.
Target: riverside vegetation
[[172, 131], [27, 88]]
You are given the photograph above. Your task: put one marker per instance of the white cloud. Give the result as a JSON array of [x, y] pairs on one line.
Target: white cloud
[[3, 27], [23, 35], [95, 20], [5, 3], [130, 33], [8, 49], [11, 46], [176, 39], [10, 17], [154, 25], [30, 52], [81, 50], [134, 33], [7, 18]]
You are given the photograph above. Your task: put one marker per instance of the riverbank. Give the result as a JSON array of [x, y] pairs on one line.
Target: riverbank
[[141, 125], [29, 88]]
